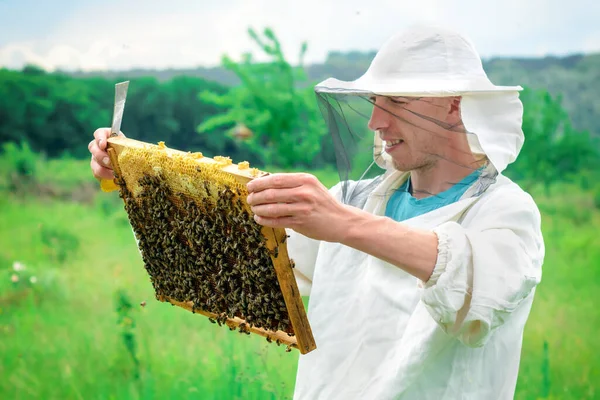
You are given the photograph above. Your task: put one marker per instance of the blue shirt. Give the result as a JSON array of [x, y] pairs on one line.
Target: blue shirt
[[402, 205]]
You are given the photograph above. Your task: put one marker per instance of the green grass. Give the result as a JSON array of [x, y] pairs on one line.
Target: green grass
[[60, 337], [65, 173], [565, 313]]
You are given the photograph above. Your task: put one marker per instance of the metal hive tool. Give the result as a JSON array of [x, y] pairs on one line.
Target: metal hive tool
[[201, 246]]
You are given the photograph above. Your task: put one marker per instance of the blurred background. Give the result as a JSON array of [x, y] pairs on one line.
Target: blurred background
[[78, 319]]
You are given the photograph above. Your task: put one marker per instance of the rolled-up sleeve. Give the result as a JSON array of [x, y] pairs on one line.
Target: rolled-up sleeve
[[486, 270]]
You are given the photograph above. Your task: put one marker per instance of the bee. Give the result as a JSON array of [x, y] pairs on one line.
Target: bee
[[207, 249]]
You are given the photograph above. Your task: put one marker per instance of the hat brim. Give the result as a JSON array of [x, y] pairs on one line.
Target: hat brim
[[429, 88]]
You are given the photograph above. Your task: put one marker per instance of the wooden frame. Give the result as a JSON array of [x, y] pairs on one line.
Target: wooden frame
[[275, 242]]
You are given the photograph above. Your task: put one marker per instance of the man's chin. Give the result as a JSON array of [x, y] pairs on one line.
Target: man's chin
[[406, 166]]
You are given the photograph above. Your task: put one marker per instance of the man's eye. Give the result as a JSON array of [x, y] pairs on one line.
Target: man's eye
[[398, 101]]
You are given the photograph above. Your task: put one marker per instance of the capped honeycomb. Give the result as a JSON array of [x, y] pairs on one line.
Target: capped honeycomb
[[200, 245]]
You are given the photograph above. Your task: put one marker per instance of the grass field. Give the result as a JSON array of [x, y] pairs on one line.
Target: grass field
[[72, 327]]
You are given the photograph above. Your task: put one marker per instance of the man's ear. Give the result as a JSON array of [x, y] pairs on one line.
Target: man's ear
[[454, 112]]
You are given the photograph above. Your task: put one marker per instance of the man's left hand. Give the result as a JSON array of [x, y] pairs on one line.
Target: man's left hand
[[300, 202]]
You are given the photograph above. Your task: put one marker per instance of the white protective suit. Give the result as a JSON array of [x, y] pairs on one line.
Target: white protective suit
[[381, 333]]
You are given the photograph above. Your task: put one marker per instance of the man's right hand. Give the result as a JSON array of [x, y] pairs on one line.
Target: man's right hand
[[100, 163]]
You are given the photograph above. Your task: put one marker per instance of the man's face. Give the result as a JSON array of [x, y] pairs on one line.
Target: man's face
[[414, 129]]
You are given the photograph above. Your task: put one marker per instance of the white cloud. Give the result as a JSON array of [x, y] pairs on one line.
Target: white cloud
[[591, 43], [17, 54], [61, 56]]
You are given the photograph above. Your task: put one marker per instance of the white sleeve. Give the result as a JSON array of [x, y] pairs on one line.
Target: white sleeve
[[485, 271], [303, 251]]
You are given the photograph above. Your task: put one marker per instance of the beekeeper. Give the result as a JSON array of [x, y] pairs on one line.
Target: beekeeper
[[421, 277]]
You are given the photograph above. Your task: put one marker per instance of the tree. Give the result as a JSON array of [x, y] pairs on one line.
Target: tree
[[271, 101], [57, 114], [553, 149]]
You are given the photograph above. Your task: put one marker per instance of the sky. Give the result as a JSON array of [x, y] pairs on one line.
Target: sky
[[93, 35]]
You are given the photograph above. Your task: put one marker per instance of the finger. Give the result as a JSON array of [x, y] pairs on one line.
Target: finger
[[280, 210], [269, 196], [100, 135], [100, 156], [278, 181], [283, 222], [101, 172]]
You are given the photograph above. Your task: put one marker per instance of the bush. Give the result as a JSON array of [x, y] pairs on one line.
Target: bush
[[597, 198], [19, 164], [58, 244]]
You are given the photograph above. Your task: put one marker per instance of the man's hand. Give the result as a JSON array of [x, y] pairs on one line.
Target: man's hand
[[100, 163], [299, 202]]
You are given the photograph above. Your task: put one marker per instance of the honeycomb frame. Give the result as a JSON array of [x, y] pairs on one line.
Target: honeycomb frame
[[299, 336]]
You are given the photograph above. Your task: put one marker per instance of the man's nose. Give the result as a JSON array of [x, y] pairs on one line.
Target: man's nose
[[380, 119]]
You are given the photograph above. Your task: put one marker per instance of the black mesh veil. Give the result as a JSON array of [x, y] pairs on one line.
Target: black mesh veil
[[376, 135]]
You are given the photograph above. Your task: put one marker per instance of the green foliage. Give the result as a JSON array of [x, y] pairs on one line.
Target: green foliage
[[57, 114], [575, 78], [24, 172], [19, 165], [59, 243], [126, 323], [52, 112], [546, 371], [578, 211], [553, 150], [65, 173], [284, 118], [20, 158], [597, 198]]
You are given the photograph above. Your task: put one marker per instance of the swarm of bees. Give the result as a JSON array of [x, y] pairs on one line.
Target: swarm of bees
[[199, 242]]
